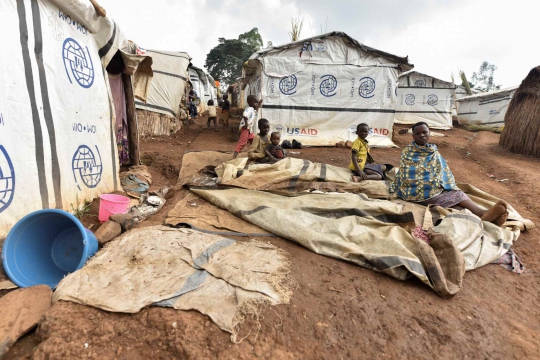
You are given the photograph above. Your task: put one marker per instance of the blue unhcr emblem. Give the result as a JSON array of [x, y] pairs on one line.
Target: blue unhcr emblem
[[328, 85], [78, 63], [7, 180], [432, 99], [409, 99], [87, 167], [420, 83], [287, 85], [367, 87]]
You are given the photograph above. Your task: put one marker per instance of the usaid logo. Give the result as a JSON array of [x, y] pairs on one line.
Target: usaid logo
[[287, 85], [7, 180], [78, 63], [87, 168], [328, 85]]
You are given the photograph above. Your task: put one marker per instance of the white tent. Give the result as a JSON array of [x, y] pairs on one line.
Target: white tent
[[317, 90], [424, 98], [461, 92], [485, 108], [199, 81], [57, 136], [169, 82]]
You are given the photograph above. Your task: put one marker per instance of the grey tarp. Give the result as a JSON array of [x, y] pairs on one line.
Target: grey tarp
[[183, 269]]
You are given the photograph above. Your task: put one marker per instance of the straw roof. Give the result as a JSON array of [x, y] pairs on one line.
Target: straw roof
[[522, 121]]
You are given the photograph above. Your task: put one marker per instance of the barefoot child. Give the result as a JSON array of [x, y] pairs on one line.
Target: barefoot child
[[225, 111], [361, 161], [273, 151], [246, 124], [212, 114], [260, 142]]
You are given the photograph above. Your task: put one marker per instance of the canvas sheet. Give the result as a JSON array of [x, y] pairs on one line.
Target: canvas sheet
[[196, 213], [57, 146], [183, 269], [169, 83], [290, 175], [431, 105], [322, 104], [375, 234]]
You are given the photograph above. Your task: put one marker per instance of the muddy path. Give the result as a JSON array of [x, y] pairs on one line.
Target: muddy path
[[338, 310]]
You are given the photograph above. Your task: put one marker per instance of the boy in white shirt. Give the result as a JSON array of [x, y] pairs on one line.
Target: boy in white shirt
[[246, 124]]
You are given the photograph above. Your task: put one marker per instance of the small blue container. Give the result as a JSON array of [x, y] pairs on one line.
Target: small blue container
[[45, 246]]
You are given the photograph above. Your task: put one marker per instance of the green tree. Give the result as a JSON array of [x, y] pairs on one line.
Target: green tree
[[225, 61], [483, 79]]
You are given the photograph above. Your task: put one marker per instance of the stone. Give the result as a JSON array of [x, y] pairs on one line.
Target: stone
[[108, 231], [126, 221], [20, 311], [348, 144]]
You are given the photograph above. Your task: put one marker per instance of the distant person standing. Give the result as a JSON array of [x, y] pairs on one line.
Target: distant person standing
[[212, 114], [246, 124], [225, 111], [192, 97]]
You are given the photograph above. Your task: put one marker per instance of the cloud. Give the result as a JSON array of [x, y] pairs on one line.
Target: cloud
[[440, 37]]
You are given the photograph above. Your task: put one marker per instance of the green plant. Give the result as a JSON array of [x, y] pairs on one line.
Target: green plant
[[80, 210], [475, 128]]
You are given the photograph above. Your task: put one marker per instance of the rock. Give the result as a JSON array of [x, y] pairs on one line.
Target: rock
[[348, 144], [20, 311], [126, 221], [108, 231], [340, 144]]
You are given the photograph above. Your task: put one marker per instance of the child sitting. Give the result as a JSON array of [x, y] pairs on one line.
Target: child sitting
[[362, 165], [212, 114], [273, 151], [257, 150]]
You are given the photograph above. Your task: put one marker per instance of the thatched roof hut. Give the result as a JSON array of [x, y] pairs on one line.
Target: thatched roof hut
[[521, 133]]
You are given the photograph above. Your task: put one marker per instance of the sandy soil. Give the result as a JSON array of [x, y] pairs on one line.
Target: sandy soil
[[338, 310]]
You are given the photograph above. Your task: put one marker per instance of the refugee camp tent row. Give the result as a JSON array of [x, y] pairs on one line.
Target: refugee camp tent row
[[58, 128], [486, 109], [317, 90], [205, 87], [424, 98], [160, 114]]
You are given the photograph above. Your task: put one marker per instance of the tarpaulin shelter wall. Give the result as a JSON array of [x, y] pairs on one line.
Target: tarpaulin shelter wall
[[460, 93], [317, 90], [424, 98], [57, 140], [212, 91], [159, 115], [485, 108], [198, 81]]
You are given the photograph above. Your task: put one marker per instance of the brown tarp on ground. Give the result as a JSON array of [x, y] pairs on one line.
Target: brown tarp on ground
[[290, 175], [375, 234], [196, 213], [183, 269]]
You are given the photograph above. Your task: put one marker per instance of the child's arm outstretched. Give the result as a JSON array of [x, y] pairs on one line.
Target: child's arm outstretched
[[267, 153]]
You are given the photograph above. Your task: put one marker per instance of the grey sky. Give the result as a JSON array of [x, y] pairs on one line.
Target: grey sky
[[440, 37]]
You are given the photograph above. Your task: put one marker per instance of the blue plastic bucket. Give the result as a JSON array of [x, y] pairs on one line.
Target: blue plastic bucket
[[45, 246]]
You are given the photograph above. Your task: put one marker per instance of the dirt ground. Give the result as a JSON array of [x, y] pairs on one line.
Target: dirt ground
[[338, 310]]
